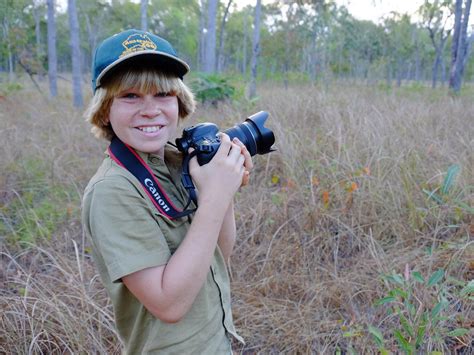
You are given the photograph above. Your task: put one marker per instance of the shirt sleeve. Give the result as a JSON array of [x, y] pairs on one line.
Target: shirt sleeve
[[123, 228]]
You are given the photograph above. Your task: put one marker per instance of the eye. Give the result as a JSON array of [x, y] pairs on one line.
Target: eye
[[129, 95]]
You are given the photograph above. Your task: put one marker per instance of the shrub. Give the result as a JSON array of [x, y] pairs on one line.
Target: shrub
[[212, 88]]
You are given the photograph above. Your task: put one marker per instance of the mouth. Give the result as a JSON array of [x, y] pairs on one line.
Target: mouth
[[149, 129]]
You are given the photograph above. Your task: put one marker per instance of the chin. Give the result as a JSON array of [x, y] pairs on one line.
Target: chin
[[151, 148]]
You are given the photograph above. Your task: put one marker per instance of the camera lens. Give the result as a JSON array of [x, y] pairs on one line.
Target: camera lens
[[253, 134]]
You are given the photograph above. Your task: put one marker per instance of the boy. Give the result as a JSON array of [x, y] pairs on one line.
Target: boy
[[166, 276]]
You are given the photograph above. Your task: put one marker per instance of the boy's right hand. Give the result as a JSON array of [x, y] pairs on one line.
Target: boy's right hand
[[218, 180]]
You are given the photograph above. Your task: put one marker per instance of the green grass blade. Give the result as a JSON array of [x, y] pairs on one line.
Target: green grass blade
[[436, 277], [458, 332], [377, 335], [453, 170], [385, 300]]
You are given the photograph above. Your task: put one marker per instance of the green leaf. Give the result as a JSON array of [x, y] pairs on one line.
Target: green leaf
[[450, 177], [417, 276], [458, 332], [406, 325], [420, 333], [377, 335], [411, 308], [398, 279], [436, 277], [385, 300], [398, 292], [468, 289], [439, 306], [395, 278], [433, 195], [402, 341], [352, 333]]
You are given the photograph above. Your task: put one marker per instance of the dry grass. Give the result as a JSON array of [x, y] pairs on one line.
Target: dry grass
[[339, 204]]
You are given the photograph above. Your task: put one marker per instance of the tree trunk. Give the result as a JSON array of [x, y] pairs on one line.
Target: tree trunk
[[75, 53], [11, 71], [244, 54], [6, 35], [255, 50], [202, 35], [220, 50], [37, 16], [143, 7], [52, 59], [210, 54], [436, 64], [459, 49]]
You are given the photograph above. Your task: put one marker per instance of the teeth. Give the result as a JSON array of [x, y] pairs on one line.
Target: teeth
[[149, 129]]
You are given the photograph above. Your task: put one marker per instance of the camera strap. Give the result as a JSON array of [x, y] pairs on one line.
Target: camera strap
[[127, 158]]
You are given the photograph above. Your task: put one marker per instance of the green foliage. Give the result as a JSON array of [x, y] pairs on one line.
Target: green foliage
[[35, 209], [212, 88], [421, 308], [313, 39], [448, 194], [9, 88]]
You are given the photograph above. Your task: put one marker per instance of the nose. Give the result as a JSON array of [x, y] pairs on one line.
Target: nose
[[150, 107]]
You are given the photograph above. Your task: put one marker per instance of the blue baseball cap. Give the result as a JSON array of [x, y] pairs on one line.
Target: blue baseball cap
[[135, 45]]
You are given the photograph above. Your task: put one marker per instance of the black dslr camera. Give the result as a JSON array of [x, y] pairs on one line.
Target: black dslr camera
[[205, 140]]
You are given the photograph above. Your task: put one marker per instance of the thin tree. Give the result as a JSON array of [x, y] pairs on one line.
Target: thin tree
[[435, 16], [37, 16], [460, 44], [210, 54], [143, 10], [202, 35], [52, 58], [220, 49], [244, 45], [255, 50], [75, 53]]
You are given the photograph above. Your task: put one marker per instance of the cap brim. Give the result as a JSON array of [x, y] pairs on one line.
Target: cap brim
[[177, 65]]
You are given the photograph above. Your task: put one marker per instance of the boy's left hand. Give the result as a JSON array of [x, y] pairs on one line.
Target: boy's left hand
[[248, 164]]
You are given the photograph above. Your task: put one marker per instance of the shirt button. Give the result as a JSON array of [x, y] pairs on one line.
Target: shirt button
[[154, 160]]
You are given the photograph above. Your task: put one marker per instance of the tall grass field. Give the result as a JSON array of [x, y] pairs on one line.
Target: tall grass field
[[355, 237]]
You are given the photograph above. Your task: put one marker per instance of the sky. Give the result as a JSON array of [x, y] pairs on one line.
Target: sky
[[371, 10], [375, 9]]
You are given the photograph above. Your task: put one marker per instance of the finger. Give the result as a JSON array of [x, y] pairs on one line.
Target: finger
[[248, 161], [248, 158], [236, 153], [225, 146], [193, 164], [241, 161], [246, 178]]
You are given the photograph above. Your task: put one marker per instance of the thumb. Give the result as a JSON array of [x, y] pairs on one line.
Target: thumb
[[193, 163]]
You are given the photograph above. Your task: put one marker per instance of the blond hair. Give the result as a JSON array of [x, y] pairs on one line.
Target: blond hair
[[147, 80]]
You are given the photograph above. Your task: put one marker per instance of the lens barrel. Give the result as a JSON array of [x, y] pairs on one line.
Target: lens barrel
[[253, 134]]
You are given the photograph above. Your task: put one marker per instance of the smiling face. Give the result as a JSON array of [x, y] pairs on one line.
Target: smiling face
[[145, 120], [138, 103]]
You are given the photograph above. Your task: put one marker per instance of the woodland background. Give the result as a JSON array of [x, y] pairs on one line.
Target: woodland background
[[356, 236]]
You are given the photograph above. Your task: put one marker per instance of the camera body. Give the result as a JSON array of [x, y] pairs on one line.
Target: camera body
[[204, 139]]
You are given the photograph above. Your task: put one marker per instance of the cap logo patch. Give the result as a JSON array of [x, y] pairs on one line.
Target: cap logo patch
[[136, 43]]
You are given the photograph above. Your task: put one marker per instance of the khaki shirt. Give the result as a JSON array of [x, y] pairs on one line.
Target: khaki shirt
[[129, 234]]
